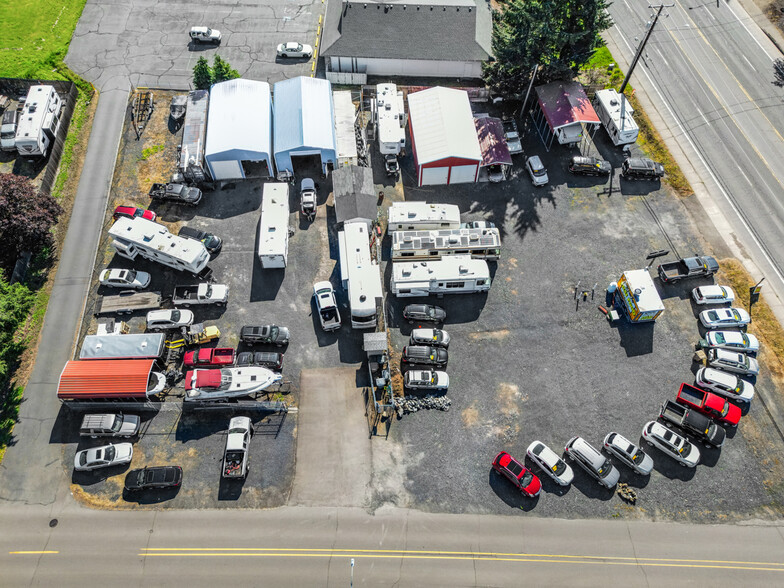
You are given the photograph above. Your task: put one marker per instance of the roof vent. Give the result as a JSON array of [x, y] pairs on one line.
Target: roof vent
[[362, 297], [463, 269]]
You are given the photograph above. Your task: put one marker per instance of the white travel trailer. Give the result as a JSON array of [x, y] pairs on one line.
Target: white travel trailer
[[616, 114], [360, 275], [38, 123], [390, 119], [274, 225], [458, 274], [139, 236], [479, 243], [421, 216]]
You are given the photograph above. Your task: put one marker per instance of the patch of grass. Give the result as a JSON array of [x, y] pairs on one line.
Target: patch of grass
[[764, 323], [148, 152], [601, 59]]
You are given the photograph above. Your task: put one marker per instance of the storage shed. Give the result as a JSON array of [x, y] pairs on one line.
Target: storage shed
[[443, 137], [112, 378], [564, 112], [239, 131], [304, 125], [355, 198]]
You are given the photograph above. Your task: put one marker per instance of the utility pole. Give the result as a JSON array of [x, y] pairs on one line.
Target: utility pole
[[642, 44], [525, 102]]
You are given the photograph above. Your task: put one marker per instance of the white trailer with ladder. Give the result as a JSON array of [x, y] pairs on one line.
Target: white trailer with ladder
[[360, 275]]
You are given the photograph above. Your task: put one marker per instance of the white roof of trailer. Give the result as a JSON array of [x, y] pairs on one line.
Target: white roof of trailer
[[344, 124]]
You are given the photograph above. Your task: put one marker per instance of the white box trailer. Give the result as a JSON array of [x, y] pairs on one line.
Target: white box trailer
[[359, 274], [136, 346], [38, 123], [457, 274], [421, 216], [273, 235], [616, 113]]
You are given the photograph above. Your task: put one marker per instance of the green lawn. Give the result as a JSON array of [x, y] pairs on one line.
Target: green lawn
[[35, 38], [600, 59]]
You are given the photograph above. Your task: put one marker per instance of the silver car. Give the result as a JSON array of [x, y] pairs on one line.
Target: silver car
[[434, 337], [592, 461], [732, 361], [123, 278], [103, 457], [733, 340], [628, 453], [295, 49], [536, 170], [717, 318], [669, 442], [158, 320], [550, 463], [724, 384], [713, 294], [426, 380]]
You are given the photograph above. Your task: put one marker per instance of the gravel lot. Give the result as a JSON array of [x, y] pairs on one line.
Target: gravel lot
[[528, 362]]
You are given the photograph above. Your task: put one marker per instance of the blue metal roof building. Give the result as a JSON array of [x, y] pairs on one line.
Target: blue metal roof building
[[304, 123]]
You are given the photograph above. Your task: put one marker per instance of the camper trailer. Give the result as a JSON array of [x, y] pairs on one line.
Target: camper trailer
[[615, 111], [274, 225], [391, 119], [138, 236], [360, 275], [194, 135], [38, 123], [137, 346], [457, 274], [421, 216], [479, 243]]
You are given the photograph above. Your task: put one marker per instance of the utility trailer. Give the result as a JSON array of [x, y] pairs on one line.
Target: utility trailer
[[127, 302]]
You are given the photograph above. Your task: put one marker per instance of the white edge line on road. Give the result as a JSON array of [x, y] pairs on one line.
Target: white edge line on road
[[740, 21]]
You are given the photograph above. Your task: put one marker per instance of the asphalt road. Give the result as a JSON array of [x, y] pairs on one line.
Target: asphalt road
[[315, 547], [708, 70]]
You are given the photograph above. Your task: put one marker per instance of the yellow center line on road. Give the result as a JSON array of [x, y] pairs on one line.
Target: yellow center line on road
[[521, 559], [30, 552]]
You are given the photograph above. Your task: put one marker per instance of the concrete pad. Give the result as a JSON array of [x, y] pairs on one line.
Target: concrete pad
[[333, 446]]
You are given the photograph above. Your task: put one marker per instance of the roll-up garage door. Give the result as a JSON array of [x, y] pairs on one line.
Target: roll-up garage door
[[462, 174], [434, 176], [226, 170]]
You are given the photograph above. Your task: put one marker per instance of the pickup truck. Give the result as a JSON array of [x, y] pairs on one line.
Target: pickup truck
[[688, 267], [176, 193], [128, 302], [204, 293], [209, 357], [235, 458], [693, 422], [709, 404]]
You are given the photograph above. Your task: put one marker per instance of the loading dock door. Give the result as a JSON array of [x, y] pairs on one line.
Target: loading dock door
[[462, 174], [226, 170], [434, 176]]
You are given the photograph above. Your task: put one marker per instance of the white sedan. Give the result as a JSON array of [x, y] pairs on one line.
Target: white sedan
[[550, 463], [122, 278], [724, 317], [734, 340], [295, 50], [427, 380], [158, 320], [103, 457]]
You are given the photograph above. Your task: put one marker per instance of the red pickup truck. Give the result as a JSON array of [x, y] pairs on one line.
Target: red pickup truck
[[209, 357], [709, 404]]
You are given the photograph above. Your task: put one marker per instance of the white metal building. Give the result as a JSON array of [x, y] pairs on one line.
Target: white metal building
[[304, 123], [443, 137], [360, 275], [239, 131], [273, 238], [456, 274], [421, 216], [345, 132]]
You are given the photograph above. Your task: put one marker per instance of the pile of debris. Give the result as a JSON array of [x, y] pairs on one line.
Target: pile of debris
[[407, 405]]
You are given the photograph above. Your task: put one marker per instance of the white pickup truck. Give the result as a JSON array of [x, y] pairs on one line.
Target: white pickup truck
[[203, 293], [235, 458]]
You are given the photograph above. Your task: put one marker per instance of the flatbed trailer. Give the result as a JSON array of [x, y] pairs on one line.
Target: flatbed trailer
[[127, 302]]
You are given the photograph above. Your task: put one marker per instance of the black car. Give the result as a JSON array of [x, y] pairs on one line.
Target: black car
[[212, 242], [424, 312], [176, 193], [272, 334], [244, 359], [590, 166], [268, 359], [641, 168], [155, 477], [425, 355]]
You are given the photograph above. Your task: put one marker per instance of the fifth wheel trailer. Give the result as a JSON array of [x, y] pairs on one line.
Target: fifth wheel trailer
[[616, 113]]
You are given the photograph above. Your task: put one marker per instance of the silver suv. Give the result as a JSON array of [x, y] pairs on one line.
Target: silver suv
[[592, 461], [669, 442], [109, 425]]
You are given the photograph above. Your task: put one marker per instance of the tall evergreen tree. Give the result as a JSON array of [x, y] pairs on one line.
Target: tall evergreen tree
[[222, 71], [202, 74], [558, 35]]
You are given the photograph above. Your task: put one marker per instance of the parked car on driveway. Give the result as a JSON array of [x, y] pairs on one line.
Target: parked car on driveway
[[294, 49], [103, 457], [434, 337], [268, 359], [176, 193], [109, 425], [425, 355], [426, 380], [211, 242], [713, 294], [628, 453], [154, 477], [518, 474], [732, 340], [133, 212], [641, 168], [424, 312], [122, 278], [732, 361], [205, 35], [709, 404], [717, 318], [536, 170], [271, 334], [672, 444], [590, 166], [327, 306], [512, 136], [724, 384], [592, 461], [160, 320], [550, 463]]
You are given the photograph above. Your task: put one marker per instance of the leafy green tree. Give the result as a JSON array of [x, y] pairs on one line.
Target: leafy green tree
[[558, 35], [222, 71], [202, 74]]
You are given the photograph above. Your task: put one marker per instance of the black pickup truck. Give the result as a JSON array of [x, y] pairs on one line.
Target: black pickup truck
[[176, 193], [693, 422], [688, 267]]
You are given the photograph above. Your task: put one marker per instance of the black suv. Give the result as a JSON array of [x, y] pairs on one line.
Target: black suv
[[211, 242], [268, 359], [424, 312], [425, 355], [590, 166], [176, 193], [278, 336], [155, 477], [641, 168]]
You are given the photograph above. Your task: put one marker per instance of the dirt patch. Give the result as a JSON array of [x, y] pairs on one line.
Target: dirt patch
[[509, 396], [470, 416], [490, 335]]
